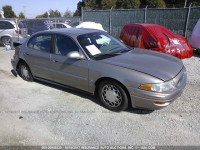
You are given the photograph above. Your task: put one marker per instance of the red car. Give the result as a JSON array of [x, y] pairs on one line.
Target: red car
[[156, 37]]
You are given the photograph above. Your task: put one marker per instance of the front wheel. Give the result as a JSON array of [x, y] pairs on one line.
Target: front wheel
[[113, 95], [25, 72]]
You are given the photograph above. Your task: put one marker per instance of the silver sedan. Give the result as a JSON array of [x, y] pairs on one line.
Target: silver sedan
[[95, 62]]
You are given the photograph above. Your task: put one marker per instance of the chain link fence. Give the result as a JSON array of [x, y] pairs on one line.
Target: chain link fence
[[180, 20]]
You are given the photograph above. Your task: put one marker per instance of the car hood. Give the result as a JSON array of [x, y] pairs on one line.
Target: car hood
[[159, 65]]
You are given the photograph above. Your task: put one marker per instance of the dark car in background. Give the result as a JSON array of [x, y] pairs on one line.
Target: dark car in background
[[95, 62], [12, 30], [36, 25], [73, 24]]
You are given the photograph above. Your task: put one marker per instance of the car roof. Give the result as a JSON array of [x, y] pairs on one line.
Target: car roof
[[153, 30], [143, 25], [72, 31], [9, 20]]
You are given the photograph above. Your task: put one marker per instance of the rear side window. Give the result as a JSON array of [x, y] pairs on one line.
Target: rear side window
[[64, 45], [40, 42], [6, 25]]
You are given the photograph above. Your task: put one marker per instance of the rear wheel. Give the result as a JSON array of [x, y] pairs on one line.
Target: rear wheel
[[5, 41], [25, 72], [113, 95]]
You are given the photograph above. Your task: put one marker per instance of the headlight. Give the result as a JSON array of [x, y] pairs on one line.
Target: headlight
[[161, 87]]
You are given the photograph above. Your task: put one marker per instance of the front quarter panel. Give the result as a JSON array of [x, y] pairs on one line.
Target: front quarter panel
[[129, 78]]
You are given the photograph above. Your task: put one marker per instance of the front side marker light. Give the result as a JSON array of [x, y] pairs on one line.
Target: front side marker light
[[161, 103], [146, 87]]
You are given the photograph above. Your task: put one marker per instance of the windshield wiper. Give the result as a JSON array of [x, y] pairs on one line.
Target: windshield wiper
[[106, 55], [123, 51]]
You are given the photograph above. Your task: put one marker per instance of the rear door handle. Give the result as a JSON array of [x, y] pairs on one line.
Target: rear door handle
[[53, 60]]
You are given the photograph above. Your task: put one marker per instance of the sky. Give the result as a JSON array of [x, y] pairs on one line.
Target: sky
[[32, 8]]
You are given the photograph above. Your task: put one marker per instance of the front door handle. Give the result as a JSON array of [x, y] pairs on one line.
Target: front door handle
[[26, 54], [53, 60]]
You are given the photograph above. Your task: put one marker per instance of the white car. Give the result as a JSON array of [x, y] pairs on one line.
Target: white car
[[9, 29], [195, 37], [60, 25], [90, 25]]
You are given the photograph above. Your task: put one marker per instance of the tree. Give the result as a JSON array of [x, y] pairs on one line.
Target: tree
[[107, 4], [54, 14], [127, 4], [93, 4], [8, 12], [78, 10], [68, 13], [45, 15], [21, 15], [194, 2], [156, 3]]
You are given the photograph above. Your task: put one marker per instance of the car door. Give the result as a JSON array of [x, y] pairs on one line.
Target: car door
[[37, 55], [71, 72]]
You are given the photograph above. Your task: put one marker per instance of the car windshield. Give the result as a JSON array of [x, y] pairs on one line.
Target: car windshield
[[101, 44]]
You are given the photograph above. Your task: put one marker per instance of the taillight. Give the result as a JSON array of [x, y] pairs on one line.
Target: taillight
[[18, 31]]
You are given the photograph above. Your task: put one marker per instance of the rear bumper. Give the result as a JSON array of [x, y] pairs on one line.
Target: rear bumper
[[146, 99]]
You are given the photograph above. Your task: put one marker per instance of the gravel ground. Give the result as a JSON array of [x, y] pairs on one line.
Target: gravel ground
[[42, 114]]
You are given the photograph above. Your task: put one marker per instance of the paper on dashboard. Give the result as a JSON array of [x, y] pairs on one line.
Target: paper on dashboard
[[93, 50]]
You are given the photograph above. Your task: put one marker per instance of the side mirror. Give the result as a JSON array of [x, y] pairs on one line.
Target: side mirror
[[75, 55]]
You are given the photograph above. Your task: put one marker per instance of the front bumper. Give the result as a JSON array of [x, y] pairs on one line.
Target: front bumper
[[146, 99], [14, 63]]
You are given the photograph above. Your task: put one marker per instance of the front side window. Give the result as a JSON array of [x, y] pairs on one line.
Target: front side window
[[64, 45], [100, 44], [41, 43]]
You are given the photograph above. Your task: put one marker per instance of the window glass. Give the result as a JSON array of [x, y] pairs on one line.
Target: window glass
[[1, 25], [6, 25], [58, 26], [99, 44], [63, 26], [64, 45], [41, 43], [54, 25]]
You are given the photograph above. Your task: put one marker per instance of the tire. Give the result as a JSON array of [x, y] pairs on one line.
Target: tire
[[113, 96], [24, 72], [5, 41], [198, 50]]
